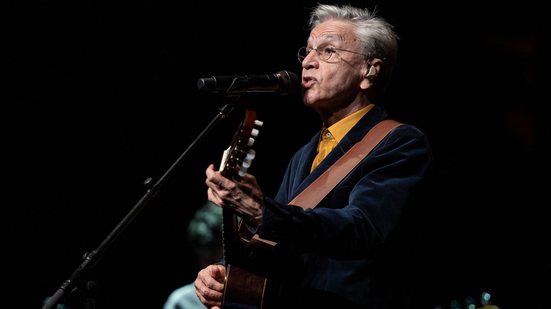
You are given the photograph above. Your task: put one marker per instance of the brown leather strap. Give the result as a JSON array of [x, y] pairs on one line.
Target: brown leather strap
[[317, 190]]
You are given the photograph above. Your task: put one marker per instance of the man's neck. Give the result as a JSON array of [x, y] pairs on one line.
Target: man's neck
[[335, 116]]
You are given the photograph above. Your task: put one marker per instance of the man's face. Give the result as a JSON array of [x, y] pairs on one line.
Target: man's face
[[333, 67]]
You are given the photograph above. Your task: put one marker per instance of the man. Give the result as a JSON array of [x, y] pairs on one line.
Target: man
[[333, 255]]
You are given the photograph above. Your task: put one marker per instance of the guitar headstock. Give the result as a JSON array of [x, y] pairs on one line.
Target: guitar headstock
[[237, 158]]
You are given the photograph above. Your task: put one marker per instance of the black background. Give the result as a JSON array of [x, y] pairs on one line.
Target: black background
[[102, 95]]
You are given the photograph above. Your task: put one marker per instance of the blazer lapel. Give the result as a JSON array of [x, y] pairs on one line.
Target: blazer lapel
[[357, 132]]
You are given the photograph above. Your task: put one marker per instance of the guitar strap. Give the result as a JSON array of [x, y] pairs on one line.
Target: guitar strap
[[317, 190]]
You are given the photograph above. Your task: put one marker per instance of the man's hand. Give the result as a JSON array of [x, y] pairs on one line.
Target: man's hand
[[209, 285], [244, 196]]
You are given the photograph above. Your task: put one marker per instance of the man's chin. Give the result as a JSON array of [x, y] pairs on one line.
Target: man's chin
[[308, 97]]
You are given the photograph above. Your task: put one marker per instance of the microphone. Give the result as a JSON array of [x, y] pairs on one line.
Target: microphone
[[283, 82]]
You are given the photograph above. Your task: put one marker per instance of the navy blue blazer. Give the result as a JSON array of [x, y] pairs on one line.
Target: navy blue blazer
[[338, 242]]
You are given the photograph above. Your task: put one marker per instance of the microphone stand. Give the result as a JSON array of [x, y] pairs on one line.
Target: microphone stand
[[92, 257]]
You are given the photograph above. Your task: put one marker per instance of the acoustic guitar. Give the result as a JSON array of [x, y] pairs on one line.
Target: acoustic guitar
[[244, 287]]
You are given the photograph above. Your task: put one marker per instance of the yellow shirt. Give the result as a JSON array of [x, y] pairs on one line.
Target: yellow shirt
[[331, 136]]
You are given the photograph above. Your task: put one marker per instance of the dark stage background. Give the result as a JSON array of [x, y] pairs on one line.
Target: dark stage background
[[102, 95]]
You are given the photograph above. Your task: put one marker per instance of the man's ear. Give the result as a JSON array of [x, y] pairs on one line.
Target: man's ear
[[372, 73]]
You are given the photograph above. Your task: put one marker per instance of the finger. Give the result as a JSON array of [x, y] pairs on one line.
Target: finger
[[211, 175], [211, 181], [213, 197], [218, 272], [210, 170], [208, 290]]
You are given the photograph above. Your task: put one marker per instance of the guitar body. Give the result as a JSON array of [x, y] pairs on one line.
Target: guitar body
[[243, 289], [244, 286]]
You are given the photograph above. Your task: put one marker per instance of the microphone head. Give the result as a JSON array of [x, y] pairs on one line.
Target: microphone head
[[203, 83], [289, 82]]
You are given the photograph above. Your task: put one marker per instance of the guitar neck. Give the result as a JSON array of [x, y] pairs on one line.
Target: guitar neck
[[236, 160]]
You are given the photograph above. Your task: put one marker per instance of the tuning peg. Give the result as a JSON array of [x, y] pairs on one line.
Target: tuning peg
[[251, 154], [258, 123], [250, 142]]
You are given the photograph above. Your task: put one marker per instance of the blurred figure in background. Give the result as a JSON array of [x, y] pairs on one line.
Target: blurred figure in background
[[204, 233]]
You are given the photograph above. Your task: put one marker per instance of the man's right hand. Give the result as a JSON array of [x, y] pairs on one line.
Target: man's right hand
[[209, 285]]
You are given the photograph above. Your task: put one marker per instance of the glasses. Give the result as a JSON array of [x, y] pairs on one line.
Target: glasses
[[324, 53]]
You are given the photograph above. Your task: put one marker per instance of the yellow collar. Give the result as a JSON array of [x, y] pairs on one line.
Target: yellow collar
[[339, 129]]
